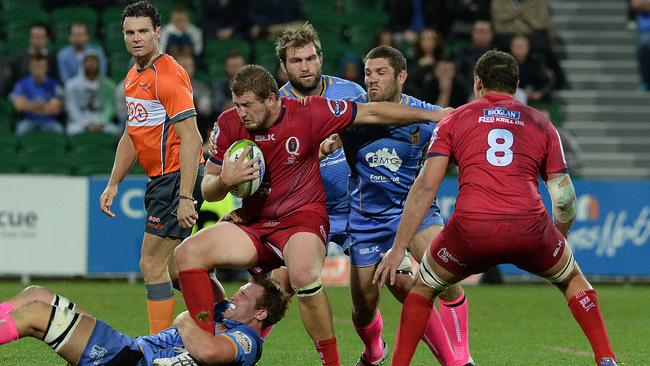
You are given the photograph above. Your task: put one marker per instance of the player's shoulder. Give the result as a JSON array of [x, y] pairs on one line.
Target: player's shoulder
[[167, 67], [229, 117], [412, 101], [285, 90], [362, 98], [246, 337], [348, 87]]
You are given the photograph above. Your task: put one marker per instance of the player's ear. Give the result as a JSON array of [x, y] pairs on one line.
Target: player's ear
[[283, 67], [401, 77], [261, 314]]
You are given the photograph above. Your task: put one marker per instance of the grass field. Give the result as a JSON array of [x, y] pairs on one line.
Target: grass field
[[509, 325]]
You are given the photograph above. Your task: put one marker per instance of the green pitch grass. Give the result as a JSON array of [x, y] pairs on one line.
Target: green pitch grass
[[509, 325]]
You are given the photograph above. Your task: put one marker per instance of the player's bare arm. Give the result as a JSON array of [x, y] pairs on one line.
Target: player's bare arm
[[418, 203], [125, 157], [219, 178], [563, 196], [387, 113], [189, 161], [204, 347]]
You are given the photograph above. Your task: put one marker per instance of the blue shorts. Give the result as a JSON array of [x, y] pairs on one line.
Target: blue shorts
[[373, 236], [106, 345], [339, 230]]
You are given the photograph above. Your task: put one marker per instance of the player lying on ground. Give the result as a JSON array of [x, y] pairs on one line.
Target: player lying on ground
[[82, 340], [501, 147]]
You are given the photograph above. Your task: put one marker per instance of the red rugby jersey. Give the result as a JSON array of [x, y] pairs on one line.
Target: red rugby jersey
[[501, 146], [290, 148]]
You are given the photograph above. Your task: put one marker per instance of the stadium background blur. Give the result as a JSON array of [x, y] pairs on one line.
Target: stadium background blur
[[581, 68]]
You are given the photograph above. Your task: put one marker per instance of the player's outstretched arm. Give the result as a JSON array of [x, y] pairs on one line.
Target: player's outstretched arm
[[385, 113], [418, 203], [206, 348], [563, 196], [125, 157]]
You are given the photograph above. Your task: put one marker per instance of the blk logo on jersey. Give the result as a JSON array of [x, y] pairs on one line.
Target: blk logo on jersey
[[337, 107], [500, 112], [384, 158], [263, 138]]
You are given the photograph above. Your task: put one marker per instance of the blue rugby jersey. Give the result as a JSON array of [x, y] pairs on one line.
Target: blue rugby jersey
[[168, 343], [385, 161], [333, 169]]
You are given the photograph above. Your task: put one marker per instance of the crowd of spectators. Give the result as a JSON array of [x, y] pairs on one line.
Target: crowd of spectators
[[441, 39]]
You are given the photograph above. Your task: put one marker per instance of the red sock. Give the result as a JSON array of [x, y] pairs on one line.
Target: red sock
[[455, 315], [371, 337], [585, 309], [266, 331], [435, 336], [411, 328], [8, 330], [6, 307], [328, 352], [199, 298]]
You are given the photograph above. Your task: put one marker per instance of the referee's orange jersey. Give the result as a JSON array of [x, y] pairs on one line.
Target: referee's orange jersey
[[157, 97]]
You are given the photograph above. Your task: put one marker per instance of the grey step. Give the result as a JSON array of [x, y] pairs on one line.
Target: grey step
[[599, 128], [579, 37], [618, 159], [613, 172], [598, 66], [607, 53], [602, 42], [614, 144], [593, 23], [596, 96], [604, 82], [573, 8]]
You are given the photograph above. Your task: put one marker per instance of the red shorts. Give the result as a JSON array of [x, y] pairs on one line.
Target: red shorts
[[468, 246], [270, 236]]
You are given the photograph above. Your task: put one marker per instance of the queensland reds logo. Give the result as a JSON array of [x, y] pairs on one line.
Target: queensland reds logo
[[137, 112], [292, 146]]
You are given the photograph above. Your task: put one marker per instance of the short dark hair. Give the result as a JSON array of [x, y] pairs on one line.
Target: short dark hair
[[297, 36], [142, 8], [77, 23], [41, 25], [254, 79], [395, 58], [498, 71], [274, 300]]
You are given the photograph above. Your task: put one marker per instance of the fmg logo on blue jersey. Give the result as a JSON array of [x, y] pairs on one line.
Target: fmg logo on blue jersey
[[500, 112]]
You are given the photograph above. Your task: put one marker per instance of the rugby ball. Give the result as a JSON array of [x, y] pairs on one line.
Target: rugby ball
[[246, 189]]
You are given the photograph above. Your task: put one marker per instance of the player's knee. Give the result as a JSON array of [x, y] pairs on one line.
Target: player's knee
[[430, 278], [306, 285], [565, 273], [39, 293], [186, 254], [61, 325]]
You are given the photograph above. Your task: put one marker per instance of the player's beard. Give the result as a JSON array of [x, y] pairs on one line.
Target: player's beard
[[302, 87], [388, 95]]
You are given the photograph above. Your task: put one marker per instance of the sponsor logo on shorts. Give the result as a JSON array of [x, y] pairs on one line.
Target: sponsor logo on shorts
[[384, 158], [244, 341], [372, 249], [447, 257], [154, 218], [322, 232], [559, 246], [97, 353], [271, 223]]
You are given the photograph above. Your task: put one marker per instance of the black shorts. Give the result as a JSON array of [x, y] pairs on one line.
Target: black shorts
[[161, 203]]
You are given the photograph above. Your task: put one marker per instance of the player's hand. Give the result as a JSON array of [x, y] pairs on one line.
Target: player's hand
[[186, 213], [238, 216], [387, 269], [439, 114], [240, 170], [329, 145], [106, 200]]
